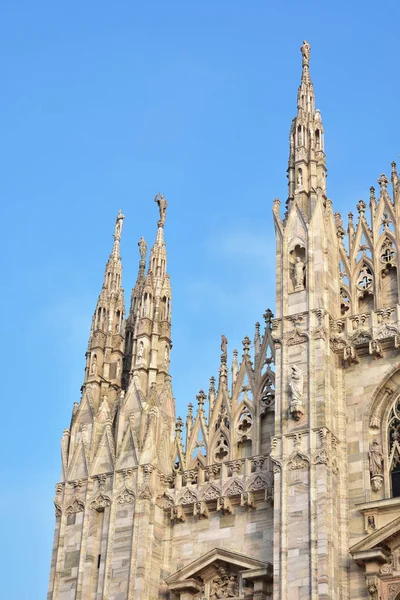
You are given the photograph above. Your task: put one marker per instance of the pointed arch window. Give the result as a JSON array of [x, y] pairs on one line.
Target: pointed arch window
[[394, 448]]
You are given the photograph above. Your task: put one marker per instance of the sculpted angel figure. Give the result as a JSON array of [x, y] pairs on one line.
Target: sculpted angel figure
[[296, 383], [224, 343]]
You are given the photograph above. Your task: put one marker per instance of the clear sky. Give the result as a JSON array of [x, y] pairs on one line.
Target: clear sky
[[104, 104]]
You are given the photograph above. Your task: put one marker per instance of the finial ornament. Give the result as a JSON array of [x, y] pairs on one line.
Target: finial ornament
[[305, 51], [162, 206], [383, 182], [142, 248]]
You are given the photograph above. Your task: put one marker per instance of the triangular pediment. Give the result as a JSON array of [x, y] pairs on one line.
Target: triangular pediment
[[198, 567], [384, 538]]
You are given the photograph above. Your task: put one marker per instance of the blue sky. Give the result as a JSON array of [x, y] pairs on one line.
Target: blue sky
[[102, 106]]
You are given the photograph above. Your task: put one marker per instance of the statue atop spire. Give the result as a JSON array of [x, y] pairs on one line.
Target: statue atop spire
[[118, 225], [142, 248], [305, 51], [162, 207]]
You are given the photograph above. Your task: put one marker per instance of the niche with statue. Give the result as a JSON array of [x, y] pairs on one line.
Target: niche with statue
[[297, 266]]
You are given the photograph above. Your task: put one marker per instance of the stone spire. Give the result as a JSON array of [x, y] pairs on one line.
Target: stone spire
[[150, 315], [134, 311], [104, 355], [307, 168]]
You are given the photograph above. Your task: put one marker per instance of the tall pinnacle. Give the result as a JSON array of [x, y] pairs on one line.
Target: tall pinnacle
[[307, 169]]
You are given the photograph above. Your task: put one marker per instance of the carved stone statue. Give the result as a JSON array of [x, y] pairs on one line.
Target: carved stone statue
[[299, 179], [93, 369], [375, 458], [298, 274], [142, 248], [140, 352], [166, 356], [224, 343], [162, 206], [118, 224], [223, 585], [296, 383], [305, 51]]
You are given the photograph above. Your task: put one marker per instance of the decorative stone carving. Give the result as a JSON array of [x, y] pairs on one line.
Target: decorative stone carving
[[164, 501], [188, 497], [146, 493], [385, 332], [100, 502], [375, 465], [200, 510], [296, 406], [393, 590], [372, 586], [177, 514], [297, 460], [211, 492], [127, 496], [361, 337], [257, 483], [223, 585], [234, 488], [375, 349], [224, 506], [247, 500], [349, 355], [76, 507]]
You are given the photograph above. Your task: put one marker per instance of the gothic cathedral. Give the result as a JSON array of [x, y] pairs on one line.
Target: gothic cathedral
[[283, 482]]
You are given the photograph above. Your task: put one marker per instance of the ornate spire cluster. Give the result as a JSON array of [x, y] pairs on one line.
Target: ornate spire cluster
[[232, 426], [368, 251], [148, 337]]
